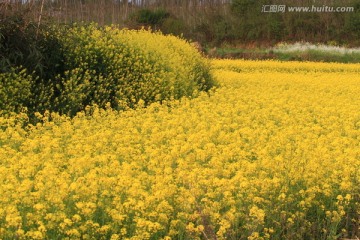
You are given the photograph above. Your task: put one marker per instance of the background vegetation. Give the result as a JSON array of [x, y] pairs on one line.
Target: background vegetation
[[211, 22]]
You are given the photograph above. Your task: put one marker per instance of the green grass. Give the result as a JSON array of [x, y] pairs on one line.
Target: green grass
[[263, 53], [318, 56]]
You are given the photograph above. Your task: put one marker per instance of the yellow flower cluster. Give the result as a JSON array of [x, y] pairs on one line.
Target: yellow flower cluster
[[15, 89], [271, 154], [127, 66]]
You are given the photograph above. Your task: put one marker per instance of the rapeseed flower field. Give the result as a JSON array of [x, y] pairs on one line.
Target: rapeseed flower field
[[272, 153]]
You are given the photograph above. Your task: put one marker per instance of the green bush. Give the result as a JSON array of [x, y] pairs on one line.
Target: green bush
[[174, 26], [24, 43], [28, 51], [148, 17]]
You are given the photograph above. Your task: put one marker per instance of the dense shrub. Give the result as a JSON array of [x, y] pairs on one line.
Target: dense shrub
[[30, 58], [32, 46], [150, 17], [175, 26]]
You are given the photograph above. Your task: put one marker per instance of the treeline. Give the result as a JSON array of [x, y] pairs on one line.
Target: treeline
[[211, 22]]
